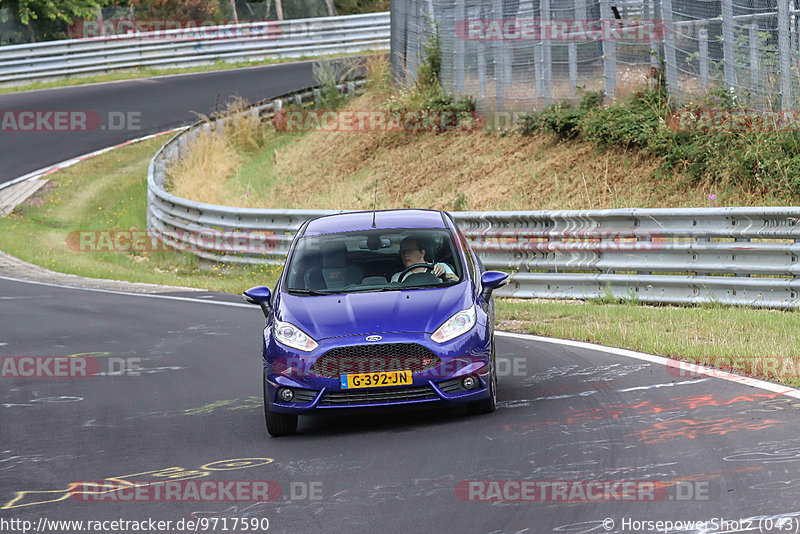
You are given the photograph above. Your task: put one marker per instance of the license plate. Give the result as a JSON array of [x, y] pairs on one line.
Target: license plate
[[375, 380]]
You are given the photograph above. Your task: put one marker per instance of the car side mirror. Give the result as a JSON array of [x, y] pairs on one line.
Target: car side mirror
[[491, 280], [260, 295]]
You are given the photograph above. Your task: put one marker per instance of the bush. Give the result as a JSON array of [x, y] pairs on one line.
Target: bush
[[758, 160], [427, 93]]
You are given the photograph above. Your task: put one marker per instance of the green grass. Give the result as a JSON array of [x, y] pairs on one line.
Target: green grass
[[757, 342], [256, 172], [109, 192]]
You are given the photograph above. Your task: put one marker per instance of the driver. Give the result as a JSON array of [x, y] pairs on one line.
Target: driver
[[411, 252]]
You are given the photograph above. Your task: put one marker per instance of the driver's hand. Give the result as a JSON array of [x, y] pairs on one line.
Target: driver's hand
[[438, 269]]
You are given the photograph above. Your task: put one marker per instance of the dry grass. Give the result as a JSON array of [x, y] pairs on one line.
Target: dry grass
[[492, 171], [200, 175], [454, 171]]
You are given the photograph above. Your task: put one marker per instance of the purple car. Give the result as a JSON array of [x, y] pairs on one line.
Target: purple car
[[375, 309]]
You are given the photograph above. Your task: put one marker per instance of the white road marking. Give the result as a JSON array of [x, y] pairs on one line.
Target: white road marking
[[652, 358], [128, 293]]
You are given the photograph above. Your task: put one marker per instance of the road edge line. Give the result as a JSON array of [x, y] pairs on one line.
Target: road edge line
[[662, 360]]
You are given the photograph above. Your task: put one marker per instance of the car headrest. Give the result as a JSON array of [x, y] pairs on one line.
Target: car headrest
[[334, 255]]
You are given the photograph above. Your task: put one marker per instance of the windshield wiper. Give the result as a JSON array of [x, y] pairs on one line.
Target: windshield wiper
[[306, 292]]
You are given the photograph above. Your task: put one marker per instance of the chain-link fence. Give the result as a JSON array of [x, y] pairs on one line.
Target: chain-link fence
[[519, 55]]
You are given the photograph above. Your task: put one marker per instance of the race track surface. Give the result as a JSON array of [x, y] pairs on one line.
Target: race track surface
[[156, 105], [712, 448]]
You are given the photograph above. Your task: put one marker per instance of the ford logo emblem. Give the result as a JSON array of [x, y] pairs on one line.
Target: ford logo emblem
[[374, 338]]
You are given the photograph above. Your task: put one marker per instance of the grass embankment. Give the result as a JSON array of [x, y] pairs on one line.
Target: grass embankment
[[109, 193], [528, 169], [624, 155]]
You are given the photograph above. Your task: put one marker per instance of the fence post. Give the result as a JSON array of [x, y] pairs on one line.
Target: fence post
[[655, 53], [458, 63], [499, 57], [702, 35], [785, 54], [609, 53], [579, 13], [753, 34], [412, 42], [727, 45], [572, 48], [482, 69], [538, 66], [547, 55], [670, 62]]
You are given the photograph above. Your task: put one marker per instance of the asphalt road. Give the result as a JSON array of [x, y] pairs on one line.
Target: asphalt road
[[715, 449], [119, 111]]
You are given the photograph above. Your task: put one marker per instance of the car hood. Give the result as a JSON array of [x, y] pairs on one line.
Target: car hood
[[421, 310]]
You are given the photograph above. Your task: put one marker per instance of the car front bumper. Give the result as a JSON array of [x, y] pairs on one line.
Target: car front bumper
[[466, 355]]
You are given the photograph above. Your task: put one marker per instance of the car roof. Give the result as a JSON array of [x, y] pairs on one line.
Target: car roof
[[384, 219]]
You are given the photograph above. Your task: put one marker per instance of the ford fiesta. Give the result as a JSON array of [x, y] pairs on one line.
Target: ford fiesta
[[374, 309]]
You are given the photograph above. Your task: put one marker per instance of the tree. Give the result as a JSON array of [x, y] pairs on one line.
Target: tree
[[175, 9], [43, 17]]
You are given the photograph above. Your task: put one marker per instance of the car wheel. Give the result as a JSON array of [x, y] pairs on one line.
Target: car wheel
[[278, 424], [489, 404]]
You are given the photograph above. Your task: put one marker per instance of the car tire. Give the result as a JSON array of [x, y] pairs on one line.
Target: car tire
[[489, 404], [278, 424]]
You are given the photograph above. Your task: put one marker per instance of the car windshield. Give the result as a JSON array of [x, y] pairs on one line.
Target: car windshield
[[373, 260]]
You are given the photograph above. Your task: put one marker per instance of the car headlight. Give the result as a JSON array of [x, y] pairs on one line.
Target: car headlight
[[456, 325], [291, 336]]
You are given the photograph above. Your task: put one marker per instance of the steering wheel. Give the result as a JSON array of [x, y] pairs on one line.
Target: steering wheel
[[428, 268]]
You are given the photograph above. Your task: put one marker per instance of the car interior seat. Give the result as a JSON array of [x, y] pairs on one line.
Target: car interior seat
[[336, 271]]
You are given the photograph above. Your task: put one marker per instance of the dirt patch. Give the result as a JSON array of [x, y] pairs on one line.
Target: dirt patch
[[40, 197]]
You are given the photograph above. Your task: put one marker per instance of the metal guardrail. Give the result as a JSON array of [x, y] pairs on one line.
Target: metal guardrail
[[743, 256], [191, 47]]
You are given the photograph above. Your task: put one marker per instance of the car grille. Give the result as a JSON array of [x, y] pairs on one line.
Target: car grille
[[375, 358], [377, 396], [304, 396]]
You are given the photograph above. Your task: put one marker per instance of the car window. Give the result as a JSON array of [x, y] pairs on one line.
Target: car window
[[371, 260]]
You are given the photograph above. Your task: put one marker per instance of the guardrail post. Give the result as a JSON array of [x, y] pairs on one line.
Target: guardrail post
[[785, 55], [728, 58]]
